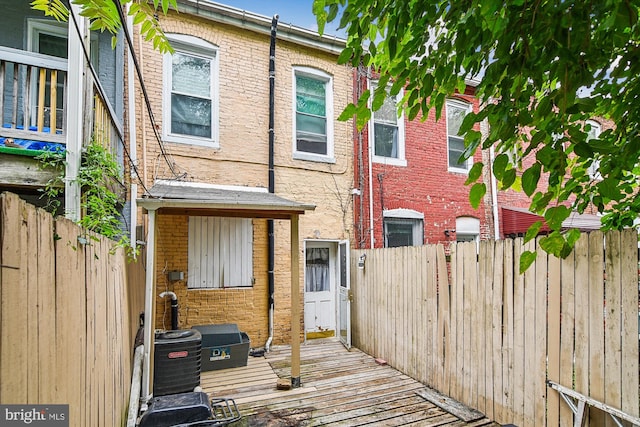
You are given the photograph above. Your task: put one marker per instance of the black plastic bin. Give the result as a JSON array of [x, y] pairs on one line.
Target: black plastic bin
[[175, 409], [223, 346]]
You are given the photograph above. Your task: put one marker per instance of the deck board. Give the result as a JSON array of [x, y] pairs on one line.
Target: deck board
[[339, 388]]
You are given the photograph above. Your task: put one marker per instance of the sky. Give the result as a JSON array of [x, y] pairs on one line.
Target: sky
[[296, 12]]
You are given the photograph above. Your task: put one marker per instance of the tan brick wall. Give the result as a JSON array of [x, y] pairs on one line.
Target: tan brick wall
[[244, 306], [242, 159]]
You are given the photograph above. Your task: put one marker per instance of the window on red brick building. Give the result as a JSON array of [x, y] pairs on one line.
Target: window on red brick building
[[403, 227], [456, 111], [387, 132], [593, 131]]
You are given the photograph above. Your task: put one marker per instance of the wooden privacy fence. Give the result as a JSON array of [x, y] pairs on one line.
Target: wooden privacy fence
[[476, 330], [68, 316]]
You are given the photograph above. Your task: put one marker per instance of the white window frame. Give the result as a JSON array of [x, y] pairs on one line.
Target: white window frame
[[197, 47], [220, 253], [36, 27], [407, 216], [465, 106], [468, 226], [592, 170], [394, 161], [328, 79]]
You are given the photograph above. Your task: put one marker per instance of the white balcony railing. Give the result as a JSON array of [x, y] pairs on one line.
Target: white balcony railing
[[33, 93], [32, 96]]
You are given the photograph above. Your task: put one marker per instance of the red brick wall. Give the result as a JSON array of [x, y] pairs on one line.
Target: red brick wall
[[424, 185]]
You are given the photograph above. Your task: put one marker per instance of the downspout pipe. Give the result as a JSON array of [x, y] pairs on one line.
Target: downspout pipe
[[272, 178], [174, 308], [133, 143]]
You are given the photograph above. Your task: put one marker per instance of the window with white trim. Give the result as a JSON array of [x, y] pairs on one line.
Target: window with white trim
[[313, 106], [456, 112], [49, 37], [403, 227], [190, 92], [220, 253], [593, 132], [467, 229], [387, 131]]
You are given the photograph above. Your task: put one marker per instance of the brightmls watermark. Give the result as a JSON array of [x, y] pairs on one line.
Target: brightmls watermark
[[34, 415]]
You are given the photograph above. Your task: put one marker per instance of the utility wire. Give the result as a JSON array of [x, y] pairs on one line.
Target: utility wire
[[102, 93], [143, 87]]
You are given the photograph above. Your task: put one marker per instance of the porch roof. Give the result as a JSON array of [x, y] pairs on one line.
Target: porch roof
[[198, 199]]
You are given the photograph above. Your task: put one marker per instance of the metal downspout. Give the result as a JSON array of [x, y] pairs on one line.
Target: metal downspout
[[133, 146], [272, 180]]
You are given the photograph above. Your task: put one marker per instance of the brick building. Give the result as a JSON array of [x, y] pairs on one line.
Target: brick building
[[213, 135], [411, 187]]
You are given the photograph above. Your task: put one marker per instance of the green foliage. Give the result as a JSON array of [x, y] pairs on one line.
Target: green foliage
[[104, 16], [545, 67], [98, 176]]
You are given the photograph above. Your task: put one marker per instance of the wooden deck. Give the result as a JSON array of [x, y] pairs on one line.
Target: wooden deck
[[339, 388]]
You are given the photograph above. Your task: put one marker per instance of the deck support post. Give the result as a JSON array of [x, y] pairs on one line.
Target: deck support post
[[295, 303]]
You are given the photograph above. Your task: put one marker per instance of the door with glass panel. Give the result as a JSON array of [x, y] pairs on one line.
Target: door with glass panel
[[344, 294], [320, 284]]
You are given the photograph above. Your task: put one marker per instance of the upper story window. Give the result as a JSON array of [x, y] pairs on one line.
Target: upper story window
[[313, 106], [593, 132], [190, 95], [456, 112], [387, 132]]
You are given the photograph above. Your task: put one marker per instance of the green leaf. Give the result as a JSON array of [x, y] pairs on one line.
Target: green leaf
[[321, 16], [478, 190], [474, 173], [499, 165], [526, 259], [348, 113], [378, 98], [508, 178], [555, 244], [139, 18], [413, 112], [530, 179], [533, 231], [572, 236], [345, 55], [555, 215]]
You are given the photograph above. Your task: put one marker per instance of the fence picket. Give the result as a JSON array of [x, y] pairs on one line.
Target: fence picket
[[497, 331], [530, 327], [519, 323], [613, 327], [567, 331], [553, 342], [596, 324], [629, 297], [47, 292]]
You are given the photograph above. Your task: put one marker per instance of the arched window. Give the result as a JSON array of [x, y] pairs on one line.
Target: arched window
[[467, 229], [403, 227]]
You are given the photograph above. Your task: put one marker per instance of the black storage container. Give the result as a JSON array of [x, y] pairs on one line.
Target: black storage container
[[176, 361], [175, 409], [223, 346]]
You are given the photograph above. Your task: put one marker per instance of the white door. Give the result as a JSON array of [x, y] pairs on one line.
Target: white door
[[344, 294], [320, 285]]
